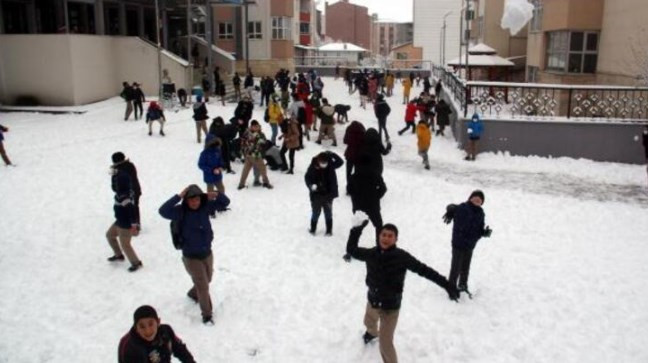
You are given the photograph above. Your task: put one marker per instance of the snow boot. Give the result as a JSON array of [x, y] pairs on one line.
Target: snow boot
[[313, 227], [329, 227]]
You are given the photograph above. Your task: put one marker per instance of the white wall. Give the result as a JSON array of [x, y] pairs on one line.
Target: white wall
[[260, 48], [428, 20]]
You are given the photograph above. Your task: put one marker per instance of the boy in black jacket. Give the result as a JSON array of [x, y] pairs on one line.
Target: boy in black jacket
[[386, 268], [321, 180], [468, 228], [148, 341]]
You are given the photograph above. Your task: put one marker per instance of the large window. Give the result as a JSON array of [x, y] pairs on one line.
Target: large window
[[225, 31], [280, 27], [254, 30], [304, 28], [573, 52], [536, 21]]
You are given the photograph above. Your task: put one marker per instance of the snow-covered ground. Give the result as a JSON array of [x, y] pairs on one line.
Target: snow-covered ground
[[563, 278]]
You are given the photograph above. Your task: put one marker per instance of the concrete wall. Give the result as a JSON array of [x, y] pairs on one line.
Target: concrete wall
[[75, 69], [428, 20]]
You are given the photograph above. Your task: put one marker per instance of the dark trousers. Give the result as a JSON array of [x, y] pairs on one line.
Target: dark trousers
[[349, 170], [319, 204], [382, 127], [225, 153], [374, 216], [291, 156], [460, 267], [407, 126], [138, 107]]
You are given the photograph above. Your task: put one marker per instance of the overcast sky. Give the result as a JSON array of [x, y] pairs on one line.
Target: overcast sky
[[396, 10]]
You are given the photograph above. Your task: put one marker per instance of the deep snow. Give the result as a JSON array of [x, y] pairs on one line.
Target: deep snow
[[563, 278]]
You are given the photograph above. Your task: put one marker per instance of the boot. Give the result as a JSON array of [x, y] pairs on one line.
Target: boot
[[329, 227], [313, 226]]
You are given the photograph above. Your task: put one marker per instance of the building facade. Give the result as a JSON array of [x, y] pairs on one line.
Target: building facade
[[588, 42], [348, 23], [428, 23], [386, 35], [486, 28]]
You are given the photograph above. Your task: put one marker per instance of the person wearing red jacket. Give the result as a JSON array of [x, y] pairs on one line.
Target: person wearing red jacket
[[410, 116]]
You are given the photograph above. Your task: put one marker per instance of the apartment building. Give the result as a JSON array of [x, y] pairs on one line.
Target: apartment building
[[386, 35], [486, 29], [429, 18], [348, 23], [587, 42]]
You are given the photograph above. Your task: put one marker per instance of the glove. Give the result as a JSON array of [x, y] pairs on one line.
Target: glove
[[470, 130], [360, 220], [313, 187], [453, 294], [487, 232], [449, 214], [346, 258]]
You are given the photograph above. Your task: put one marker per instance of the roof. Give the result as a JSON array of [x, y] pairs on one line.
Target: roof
[[482, 61], [341, 47], [397, 46], [481, 48], [305, 47]]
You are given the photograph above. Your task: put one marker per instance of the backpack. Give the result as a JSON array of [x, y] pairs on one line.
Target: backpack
[[176, 231]]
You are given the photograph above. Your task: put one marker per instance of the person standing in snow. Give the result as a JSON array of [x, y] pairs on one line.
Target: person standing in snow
[[321, 181], [290, 136], [275, 118], [3, 152], [327, 124], [443, 112], [138, 100], [124, 227], [120, 163], [474, 129], [386, 268], [297, 112], [424, 137], [353, 139], [153, 114], [200, 117], [210, 163], [227, 133], [252, 145], [382, 110], [192, 208], [149, 341], [467, 229], [128, 95], [410, 117], [407, 87], [236, 82]]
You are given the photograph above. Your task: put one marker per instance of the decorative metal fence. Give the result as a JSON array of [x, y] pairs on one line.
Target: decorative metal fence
[[537, 101]]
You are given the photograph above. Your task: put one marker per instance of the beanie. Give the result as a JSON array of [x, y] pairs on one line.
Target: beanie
[[477, 193], [118, 157], [144, 311]]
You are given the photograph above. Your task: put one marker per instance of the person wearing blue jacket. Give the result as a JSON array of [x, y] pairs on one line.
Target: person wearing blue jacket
[[192, 208], [467, 229], [211, 164], [125, 226], [474, 129]]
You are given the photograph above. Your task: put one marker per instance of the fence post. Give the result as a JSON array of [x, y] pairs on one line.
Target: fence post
[[466, 98], [569, 104]]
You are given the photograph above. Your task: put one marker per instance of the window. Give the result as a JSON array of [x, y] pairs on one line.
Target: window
[[572, 52], [304, 28], [225, 31], [536, 21], [400, 55], [532, 74], [280, 27], [254, 30]]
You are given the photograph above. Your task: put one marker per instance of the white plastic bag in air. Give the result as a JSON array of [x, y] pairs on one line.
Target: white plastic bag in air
[[516, 14]]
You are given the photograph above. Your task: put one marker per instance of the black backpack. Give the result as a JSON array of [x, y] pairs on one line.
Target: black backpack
[[176, 231]]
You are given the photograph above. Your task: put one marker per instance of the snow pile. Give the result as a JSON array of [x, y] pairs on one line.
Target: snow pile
[[516, 14]]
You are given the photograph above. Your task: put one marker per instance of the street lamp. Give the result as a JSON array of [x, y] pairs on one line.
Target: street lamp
[[443, 42]]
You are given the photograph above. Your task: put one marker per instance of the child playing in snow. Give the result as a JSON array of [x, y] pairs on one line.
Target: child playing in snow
[[474, 130], [3, 153], [150, 341], [410, 116], [423, 136], [155, 113]]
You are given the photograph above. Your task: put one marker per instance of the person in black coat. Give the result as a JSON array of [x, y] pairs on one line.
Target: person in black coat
[[227, 134], [386, 268], [149, 341], [468, 228], [382, 110], [353, 139], [120, 163], [443, 112], [243, 112], [372, 151], [321, 181], [138, 100], [128, 95]]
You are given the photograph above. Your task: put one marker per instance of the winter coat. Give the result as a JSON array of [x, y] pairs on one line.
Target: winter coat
[[423, 136], [226, 132], [134, 349], [128, 94], [475, 127], [293, 109], [131, 171], [291, 134], [200, 111], [325, 179], [253, 144], [154, 114], [249, 81], [309, 113], [443, 112], [382, 110], [138, 95], [371, 152], [410, 112], [196, 228], [386, 271], [468, 225], [389, 80], [353, 138], [366, 188], [407, 86], [326, 114], [244, 110], [363, 86], [124, 206], [275, 114], [210, 159], [236, 80]]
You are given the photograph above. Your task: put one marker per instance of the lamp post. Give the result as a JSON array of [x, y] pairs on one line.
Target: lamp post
[[159, 46], [444, 38]]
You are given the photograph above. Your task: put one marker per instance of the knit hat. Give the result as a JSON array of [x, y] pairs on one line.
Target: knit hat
[[477, 193], [118, 157], [144, 311], [193, 191]]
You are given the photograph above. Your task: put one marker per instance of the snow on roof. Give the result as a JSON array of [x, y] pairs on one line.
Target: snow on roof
[[341, 47], [482, 61], [481, 48]]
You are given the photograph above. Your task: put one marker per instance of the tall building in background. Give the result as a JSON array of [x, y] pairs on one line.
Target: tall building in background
[[428, 20], [386, 35], [348, 23]]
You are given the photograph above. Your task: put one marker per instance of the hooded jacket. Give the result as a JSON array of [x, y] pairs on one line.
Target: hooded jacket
[[475, 127], [134, 349], [324, 178], [353, 138], [371, 152], [200, 111], [124, 206], [382, 109], [468, 226], [423, 136], [210, 159]]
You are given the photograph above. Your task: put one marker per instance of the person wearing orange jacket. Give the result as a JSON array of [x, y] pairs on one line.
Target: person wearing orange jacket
[[424, 137]]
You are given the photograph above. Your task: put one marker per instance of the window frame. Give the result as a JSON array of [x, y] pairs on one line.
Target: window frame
[[301, 31], [559, 46], [228, 32], [535, 25], [255, 30], [281, 28]]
